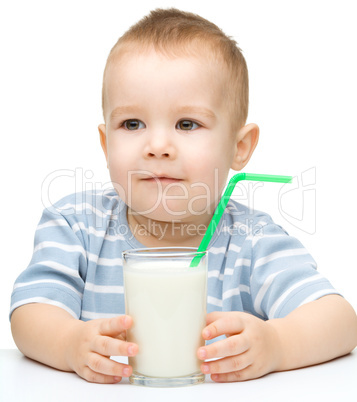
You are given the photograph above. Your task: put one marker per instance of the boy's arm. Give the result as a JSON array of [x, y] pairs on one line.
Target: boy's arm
[[52, 336], [41, 332], [316, 332], [313, 333]]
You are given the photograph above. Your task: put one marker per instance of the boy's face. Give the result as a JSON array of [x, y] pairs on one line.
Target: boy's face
[[168, 136]]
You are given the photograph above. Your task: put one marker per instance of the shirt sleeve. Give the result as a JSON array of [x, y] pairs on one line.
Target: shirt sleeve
[[57, 269], [284, 276]]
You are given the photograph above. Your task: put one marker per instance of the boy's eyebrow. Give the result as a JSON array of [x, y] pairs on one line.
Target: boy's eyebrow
[[118, 111], [199, 110]]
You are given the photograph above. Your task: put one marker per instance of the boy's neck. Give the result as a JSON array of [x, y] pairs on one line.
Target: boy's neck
[[152, 233]]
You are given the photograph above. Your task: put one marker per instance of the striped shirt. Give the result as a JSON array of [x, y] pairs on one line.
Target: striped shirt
[[253, 264]]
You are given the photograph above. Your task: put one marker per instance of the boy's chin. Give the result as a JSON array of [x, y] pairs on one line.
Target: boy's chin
[[166, 215], [162, 216]]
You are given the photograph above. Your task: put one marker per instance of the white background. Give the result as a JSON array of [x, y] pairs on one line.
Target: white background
[[302, 61]]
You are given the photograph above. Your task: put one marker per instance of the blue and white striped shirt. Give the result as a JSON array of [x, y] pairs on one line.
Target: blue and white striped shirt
[[253, 264]]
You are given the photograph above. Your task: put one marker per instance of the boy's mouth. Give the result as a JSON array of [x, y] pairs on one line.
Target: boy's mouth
[[164, 179]]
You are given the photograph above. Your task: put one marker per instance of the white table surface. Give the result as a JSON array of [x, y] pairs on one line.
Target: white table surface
[[25, 380]]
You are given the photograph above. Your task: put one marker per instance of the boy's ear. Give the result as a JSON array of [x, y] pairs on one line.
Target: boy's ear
[[246, 141], [103, 140]]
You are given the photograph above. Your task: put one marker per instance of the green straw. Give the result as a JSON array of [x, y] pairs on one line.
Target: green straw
[[224, 201]]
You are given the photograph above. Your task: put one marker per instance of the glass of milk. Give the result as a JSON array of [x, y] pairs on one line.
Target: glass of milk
[[167, 300]]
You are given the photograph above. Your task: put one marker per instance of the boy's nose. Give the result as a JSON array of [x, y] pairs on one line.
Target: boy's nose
[[160, 145]]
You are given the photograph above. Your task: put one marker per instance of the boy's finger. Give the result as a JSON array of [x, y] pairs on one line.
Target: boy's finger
[[116, 325], [226, 325], [248, 373], [92, 376], [215, 315], [103, 365], [232, 346], [227, 365], [108, 346]]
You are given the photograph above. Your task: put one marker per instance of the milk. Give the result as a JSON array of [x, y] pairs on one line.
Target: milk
[[167, 302]]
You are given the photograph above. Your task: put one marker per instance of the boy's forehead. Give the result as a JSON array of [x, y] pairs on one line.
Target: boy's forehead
[[141, 66], [137, 59]]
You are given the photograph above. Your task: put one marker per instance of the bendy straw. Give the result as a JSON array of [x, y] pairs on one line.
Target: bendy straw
[[224, 201]]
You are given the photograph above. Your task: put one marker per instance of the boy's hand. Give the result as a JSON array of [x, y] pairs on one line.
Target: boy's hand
[[91, 344], [250, 350]]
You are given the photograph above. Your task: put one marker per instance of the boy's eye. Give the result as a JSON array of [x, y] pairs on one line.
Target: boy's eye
[[187, 125], [133, 124]]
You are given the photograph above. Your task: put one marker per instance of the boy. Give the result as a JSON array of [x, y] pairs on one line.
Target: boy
[[175, 102]]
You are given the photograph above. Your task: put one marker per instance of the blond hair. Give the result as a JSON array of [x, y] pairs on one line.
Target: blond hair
[[174, 33]]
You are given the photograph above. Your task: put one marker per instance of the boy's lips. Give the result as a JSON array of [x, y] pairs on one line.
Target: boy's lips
[[162, 178]]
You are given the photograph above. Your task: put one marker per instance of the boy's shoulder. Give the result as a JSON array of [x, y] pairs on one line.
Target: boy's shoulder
[[101, 200], [251, 220], [94, 207]]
